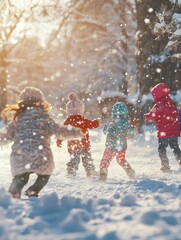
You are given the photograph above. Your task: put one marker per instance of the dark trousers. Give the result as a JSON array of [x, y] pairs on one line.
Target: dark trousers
[[76, 157], [163, 143], [19, 181]]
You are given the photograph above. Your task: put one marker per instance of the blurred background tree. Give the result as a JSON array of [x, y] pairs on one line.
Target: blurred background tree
[[91, 47], [61, 46], [157, 22], [18, 48]]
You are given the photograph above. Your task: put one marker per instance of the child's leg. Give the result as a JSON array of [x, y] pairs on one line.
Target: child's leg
[[173, 142], [18, 182], [108, 155], [88, 162], [73, 164], [162, 145], [105, 162], [121, 160], [40, 182]]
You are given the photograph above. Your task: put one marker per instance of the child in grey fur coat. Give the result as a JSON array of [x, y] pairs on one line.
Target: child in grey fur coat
[[30, 131]]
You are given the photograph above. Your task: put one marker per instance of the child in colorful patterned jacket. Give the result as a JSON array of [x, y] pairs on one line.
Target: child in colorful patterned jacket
[[79, 149], [117, 130]]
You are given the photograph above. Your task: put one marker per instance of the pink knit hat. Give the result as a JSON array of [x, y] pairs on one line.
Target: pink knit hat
[[74, 106]]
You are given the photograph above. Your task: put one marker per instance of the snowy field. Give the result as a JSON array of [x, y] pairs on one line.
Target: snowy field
[[148, 207]]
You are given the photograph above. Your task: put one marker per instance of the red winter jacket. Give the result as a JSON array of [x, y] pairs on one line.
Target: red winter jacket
[[85, 124], [164, 112]]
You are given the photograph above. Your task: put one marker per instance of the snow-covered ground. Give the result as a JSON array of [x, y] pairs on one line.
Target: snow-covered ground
[[148, 207]]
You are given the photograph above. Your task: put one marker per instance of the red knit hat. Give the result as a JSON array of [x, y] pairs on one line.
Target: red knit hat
[[74, 106]]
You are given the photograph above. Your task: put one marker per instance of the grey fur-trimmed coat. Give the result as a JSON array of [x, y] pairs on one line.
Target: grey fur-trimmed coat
[[31, 135]]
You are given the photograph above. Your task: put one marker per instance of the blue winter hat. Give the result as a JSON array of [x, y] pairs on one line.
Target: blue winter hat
[[119, 110]]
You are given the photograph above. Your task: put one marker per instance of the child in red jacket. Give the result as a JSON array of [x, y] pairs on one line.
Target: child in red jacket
[[165, 114], [79, 149], [180, 115]]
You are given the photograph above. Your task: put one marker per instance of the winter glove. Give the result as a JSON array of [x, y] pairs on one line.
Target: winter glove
[[59, 143]]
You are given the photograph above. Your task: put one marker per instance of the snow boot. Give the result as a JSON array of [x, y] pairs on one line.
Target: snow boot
[[165, 166], [92, 174], [165, 169], [16, 195], [129, 170], [131, 174], [29, 193], [103, 174], [164, 161], [71, 172]]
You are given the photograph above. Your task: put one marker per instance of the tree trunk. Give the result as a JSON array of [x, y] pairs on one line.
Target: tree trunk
[[147, 45]]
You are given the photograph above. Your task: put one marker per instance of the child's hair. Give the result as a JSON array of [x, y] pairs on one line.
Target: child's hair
[[29, 97]]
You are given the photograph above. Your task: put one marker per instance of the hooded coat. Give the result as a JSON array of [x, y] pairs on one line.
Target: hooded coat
[[180, 118], [30, 135], [164, 113], [118, 128]]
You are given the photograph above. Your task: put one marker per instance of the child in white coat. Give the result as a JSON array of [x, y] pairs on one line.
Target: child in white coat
[[30, 131]]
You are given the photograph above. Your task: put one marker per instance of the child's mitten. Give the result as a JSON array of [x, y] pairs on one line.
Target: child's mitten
[[59, 143]]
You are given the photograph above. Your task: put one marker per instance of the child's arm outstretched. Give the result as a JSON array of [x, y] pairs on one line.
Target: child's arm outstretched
[[152, 115], [69, 133], [91, 123], [84, 123], [63, 132], [74, 133], [110, 126]]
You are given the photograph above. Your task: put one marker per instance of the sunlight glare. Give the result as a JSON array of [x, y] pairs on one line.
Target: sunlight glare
[[24, 4]]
